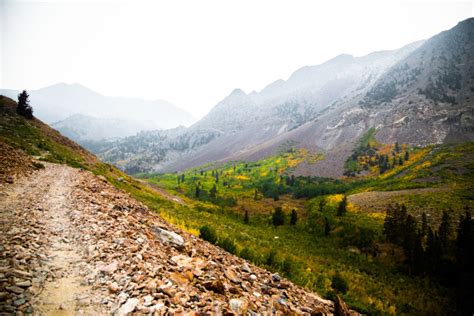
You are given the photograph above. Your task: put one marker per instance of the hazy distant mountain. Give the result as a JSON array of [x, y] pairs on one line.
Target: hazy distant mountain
[[83, 127], [56, 103], [419, 94]]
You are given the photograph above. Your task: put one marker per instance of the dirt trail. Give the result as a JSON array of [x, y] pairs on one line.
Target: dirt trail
[[64, 295], [55, 279]]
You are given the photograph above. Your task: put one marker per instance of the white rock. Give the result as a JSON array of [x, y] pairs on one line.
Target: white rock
[[128, 307], [238, 306], [147, 300], [169, 237]]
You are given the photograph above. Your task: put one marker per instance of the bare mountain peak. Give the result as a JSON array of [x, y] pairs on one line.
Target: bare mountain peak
[[238, 92]]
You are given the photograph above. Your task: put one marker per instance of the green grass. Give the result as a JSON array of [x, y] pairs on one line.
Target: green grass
[[377, 285]]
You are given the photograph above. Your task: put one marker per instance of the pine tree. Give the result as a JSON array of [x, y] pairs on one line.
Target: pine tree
[[23, 108], [278, 217], [213, 192], [322, 203], [342, 208], [327, 227], [465, 240], [389, 225], [418, 255], [198, 191], [407, 155], [433, 252], [444, 231], [397, 147], [400, 161], [424, 225], [409, 240], [217, 177], [465, 260], [294, 217], [246, 217]]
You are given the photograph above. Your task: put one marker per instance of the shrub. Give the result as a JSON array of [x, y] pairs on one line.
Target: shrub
[[278, 217], [339, 284], [246, 217], [248, 254], [294, 217], [287, 266], [271, 259], [208, 233], [228, 245]]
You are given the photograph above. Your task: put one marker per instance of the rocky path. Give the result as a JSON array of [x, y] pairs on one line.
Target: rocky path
[[74, 245], [39, 245]]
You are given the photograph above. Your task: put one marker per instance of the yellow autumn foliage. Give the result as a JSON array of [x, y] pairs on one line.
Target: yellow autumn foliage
[[242, 177]]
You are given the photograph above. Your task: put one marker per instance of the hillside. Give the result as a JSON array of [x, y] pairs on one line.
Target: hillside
[[419, 94], [73, 243], [313, 243]]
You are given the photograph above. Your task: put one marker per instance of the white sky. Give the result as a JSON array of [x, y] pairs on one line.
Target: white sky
[[194, 53]]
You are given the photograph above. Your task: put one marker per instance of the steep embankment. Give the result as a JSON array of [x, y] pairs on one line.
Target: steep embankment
[[75, 243]]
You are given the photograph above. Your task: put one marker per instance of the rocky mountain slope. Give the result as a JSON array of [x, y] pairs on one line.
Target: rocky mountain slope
[[420, 94], [60, 105], [73, 243]]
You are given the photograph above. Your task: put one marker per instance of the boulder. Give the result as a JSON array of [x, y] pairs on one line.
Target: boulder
[[169, 237], [128, 307], [238, 306]]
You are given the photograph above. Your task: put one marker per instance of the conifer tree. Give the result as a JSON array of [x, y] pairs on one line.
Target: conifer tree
[[400, 161], [327, 227], [213, 192], [342, 208], [424, 225], [198, 191], [322, 203], [294, 217], [246, 217], [444, 231], [23, 108], [278, 217]]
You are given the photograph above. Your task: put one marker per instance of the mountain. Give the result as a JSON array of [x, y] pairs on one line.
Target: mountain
[[60, 104], [419, 94], [83, 128]]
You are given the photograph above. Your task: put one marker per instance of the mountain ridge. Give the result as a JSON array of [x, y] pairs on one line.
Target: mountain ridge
[[326, 108]]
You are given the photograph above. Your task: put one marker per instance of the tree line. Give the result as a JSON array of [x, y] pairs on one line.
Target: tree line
[[439, 253]]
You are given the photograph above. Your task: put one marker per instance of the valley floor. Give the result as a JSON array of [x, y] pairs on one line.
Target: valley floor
[[73, 244]]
